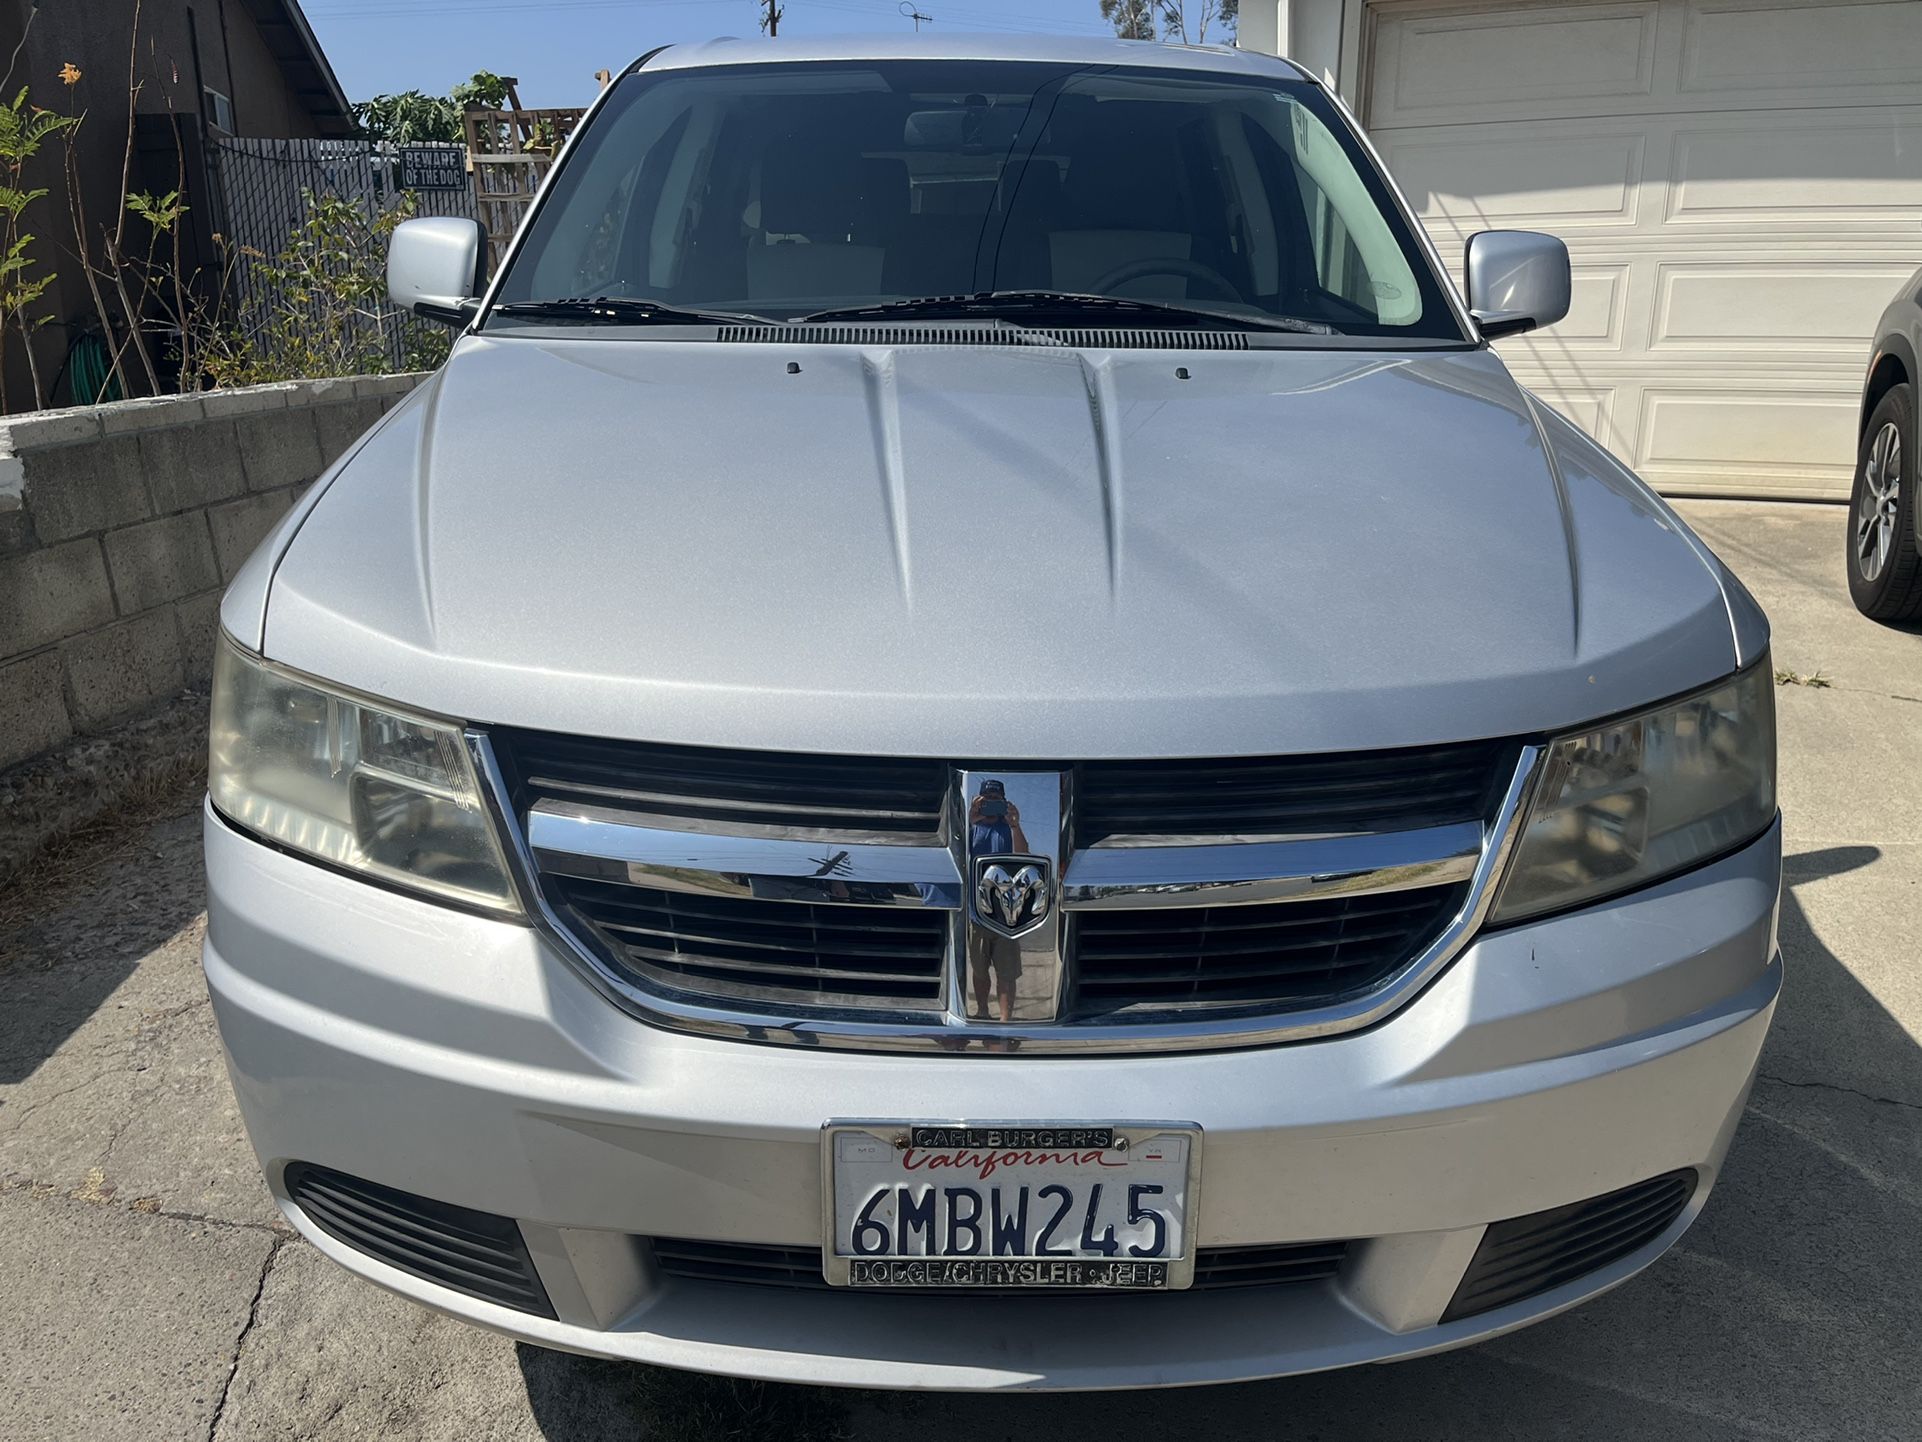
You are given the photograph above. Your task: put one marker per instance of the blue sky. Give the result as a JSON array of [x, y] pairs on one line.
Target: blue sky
[[555, 46]]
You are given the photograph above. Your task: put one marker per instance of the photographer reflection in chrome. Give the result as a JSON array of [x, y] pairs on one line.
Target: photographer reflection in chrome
[[1012, 898]]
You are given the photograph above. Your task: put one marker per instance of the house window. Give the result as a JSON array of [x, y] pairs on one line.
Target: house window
[[220, 110]]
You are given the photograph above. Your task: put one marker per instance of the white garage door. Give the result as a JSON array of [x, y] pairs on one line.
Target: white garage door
[[1739, 183]]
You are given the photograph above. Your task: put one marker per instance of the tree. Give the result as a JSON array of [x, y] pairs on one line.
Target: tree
[[1176, 15], [414, 117], [1179, 22], [1132, 19]]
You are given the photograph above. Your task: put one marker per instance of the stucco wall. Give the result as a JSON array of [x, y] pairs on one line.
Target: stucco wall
[[119, 527]]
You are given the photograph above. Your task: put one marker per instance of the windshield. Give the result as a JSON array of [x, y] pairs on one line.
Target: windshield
[[787, 190]]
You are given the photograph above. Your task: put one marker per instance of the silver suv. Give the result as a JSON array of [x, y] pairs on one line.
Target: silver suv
[[974, 740]]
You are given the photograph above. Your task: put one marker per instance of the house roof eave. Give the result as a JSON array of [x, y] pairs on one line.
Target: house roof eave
[[310, 75]]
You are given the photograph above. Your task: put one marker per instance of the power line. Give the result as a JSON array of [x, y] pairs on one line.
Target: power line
[[360, 9], [977, 19], [964, 19]]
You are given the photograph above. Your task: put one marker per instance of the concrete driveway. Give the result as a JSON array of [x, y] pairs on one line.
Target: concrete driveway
[[149, 1292]]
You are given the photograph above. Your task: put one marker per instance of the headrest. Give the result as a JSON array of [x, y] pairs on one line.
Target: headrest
[[1124, 170], [810, 186]]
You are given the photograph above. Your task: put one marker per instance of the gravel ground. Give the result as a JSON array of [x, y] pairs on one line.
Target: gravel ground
[[154, 1293]]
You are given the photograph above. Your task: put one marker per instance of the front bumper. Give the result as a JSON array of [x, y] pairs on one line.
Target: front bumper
[[463, 1059]]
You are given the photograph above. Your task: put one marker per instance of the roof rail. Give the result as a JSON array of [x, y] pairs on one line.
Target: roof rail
[[642, 60]]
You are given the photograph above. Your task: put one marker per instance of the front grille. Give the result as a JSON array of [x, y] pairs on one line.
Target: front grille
[[476, 1253], [836, 899], [1268, 957], [1224, 800], [801, 953], [732, 790], [1216, 1268], [1526, 1256]]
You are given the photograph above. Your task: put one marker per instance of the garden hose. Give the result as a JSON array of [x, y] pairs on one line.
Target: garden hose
[[93, 379]]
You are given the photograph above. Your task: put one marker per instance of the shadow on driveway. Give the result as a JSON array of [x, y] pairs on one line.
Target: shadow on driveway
[[1790, 1310], [83, 925]]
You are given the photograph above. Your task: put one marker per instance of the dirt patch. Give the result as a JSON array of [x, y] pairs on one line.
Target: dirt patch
[[55, 808]]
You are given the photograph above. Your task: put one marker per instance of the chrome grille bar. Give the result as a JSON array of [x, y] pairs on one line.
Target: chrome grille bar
[[583, 841], [1246, 873], [575, 840]]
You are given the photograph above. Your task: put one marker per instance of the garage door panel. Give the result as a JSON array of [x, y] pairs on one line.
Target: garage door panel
[[1735, 46], [1597, 312], [1763, 431], [1525, 53], [1735, 229], [1826, 165], [1463, 63], [1814, 305], [1472, 180]]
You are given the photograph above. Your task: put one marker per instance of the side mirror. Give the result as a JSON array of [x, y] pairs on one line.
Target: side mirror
[[1517, 280], [437, 267]]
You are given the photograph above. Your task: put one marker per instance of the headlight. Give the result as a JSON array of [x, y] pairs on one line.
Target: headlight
[[369, 789], [1623, 804]]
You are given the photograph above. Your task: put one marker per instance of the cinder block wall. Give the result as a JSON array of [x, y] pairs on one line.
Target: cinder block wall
[[120, 525]]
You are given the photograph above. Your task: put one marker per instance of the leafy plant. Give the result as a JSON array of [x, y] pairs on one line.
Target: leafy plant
[[485, 89], [316, 308], [162, 212], [23, 130], [413, 117], [164, 284]]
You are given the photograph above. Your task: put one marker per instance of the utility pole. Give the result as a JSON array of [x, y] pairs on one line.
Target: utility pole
[[908, 10], [771, 17]]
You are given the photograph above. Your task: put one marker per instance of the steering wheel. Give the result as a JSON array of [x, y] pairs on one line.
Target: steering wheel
[[1168, 265]]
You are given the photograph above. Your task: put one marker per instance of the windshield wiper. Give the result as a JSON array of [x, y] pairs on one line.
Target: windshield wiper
[[623, 310], [1035, 304]]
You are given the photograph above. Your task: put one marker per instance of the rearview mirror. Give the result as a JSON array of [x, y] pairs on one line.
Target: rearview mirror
[[1517, 280], [437, 267]]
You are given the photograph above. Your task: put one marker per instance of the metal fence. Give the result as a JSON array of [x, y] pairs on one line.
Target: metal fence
[[266, 189]]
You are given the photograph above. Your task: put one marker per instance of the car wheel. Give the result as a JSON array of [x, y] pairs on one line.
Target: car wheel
[[1885, 567]]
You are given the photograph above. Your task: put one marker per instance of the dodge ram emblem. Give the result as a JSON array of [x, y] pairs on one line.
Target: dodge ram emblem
[[1010, 892]]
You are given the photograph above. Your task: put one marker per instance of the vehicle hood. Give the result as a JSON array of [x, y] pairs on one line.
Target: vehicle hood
[[1007, 551]]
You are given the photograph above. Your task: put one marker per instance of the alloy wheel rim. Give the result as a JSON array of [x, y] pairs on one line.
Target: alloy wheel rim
[[1881, 492]]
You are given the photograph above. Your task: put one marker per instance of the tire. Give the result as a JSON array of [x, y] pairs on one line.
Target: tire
[[1885, 566]]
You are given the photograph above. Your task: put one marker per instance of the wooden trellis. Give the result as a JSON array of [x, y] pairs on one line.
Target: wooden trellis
[[508, 152]]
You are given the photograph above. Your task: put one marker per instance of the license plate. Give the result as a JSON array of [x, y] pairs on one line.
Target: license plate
[[1016, 1206]]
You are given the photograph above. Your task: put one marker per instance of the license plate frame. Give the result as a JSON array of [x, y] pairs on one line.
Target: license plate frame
[[1036, 1273]]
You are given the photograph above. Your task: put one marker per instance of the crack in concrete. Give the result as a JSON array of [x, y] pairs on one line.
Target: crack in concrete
[[240, 1341], [121, 1042], [1870, 692], [54, 1191], [15, 1118], [1846, 1091]]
